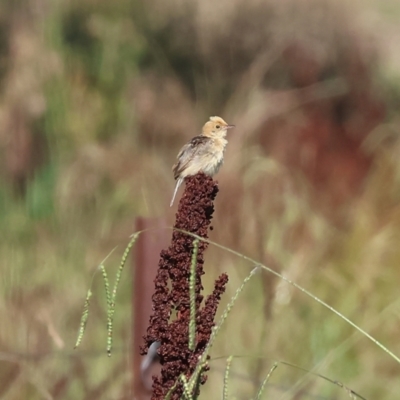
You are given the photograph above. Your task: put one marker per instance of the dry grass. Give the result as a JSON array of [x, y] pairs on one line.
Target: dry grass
[[95, 100]]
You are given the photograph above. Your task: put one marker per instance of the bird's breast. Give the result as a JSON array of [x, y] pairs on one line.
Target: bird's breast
[[214, 157]]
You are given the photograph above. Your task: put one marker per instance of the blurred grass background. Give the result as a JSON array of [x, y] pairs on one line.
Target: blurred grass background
[[96, 98]]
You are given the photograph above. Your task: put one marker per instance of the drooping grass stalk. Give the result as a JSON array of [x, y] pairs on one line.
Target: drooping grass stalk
[[203, 359], [350, 392], [109, 314], [84, 318], [110, 296], [226, 378], [230, 305], [186, 389], [305, 291], [85, 313], [111, 303], [192, 294], [264, 382], [122, 264], [106, 284]]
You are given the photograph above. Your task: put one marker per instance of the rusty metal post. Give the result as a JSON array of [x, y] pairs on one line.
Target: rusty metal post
[[144, 269]]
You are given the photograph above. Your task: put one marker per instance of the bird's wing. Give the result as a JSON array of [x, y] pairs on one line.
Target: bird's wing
[[189, 151]]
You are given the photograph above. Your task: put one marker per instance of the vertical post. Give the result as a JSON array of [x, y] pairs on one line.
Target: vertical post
[[144, 269]]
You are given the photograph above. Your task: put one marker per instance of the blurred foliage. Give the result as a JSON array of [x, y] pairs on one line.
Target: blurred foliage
[[96, 97]]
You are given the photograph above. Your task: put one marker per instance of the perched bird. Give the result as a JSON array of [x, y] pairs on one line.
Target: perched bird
[[203, 153]]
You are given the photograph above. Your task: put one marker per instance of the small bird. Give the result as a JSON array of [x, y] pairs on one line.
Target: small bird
[[203, 153]]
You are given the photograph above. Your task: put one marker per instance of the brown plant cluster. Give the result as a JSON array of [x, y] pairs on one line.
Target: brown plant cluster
[[169, 323]]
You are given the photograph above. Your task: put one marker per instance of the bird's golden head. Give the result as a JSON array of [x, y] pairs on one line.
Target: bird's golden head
[[216, 127]]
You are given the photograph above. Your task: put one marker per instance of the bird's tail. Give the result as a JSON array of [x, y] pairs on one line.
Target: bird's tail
[[178, 183]]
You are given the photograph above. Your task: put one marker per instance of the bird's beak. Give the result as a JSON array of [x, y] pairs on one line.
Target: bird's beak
[[229, 126]]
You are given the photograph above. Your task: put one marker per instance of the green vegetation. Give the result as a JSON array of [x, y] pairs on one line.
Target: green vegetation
[[96, 97]]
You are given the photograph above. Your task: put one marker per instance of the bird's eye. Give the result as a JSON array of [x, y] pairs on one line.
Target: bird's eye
[[218, 127]]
